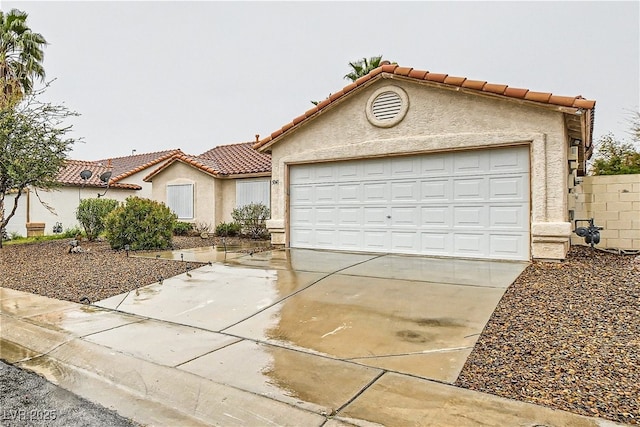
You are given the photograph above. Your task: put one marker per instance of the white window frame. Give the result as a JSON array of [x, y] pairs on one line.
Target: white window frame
[[181, 204]]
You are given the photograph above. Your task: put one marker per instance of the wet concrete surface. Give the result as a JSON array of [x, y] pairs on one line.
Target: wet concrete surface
[[290, 337]]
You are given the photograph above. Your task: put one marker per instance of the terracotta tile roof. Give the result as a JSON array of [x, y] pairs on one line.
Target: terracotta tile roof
[[124, 167], [223, 160], [235, 159], [69, 175], [577, 102]]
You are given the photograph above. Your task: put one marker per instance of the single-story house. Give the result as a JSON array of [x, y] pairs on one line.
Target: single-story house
[[204, 189], [414, 162], [124, 176]]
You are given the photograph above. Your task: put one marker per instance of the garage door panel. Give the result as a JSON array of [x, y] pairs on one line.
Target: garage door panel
[[508, 217], [349, 171], [350, 216], [506, 161], [469, 163], [325, 238], [405, 191], [376, 192], [405, 242], [302, 194], [470, 244], [349, 193], [508, 246], [468, 204], [375, 216], [436, 217], [405, 167], [436, 243], [325, 172], [436, 190], [376, 240], [469, 189], [325, 194], [436, 165], [302, 217], [326, 216], [375, 169], [507, 188], [301, 174], [349, 239], [302, 238], [405, 216], [469, 216]]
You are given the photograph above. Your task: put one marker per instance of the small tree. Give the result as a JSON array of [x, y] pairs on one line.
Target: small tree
[[91, 214], [615, 157], [33, 147], [141, 224], [252, 219]]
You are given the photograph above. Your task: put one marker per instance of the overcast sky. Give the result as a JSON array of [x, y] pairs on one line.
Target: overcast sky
[[151, 76]]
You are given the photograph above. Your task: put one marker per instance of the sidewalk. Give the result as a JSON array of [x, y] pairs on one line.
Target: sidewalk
[[53, 338]]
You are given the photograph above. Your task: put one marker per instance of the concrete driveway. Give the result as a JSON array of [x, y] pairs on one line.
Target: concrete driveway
[[289, 337]]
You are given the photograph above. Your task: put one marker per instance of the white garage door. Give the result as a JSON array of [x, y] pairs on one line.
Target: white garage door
[[468, 204]]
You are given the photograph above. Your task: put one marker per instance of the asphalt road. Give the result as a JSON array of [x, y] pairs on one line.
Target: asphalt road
[[27, 399]]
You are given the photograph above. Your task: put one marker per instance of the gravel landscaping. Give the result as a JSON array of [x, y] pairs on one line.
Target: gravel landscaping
[[565, 335]]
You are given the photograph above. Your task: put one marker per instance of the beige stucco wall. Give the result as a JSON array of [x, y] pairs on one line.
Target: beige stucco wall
[[215, 198], [204, 206], [614, 203], [64, 201], [138, 179], [439, 119]]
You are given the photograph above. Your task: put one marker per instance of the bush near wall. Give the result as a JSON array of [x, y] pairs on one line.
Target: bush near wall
[[141, 224]]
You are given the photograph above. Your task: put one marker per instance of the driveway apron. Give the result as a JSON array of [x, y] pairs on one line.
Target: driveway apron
[[285, 337]]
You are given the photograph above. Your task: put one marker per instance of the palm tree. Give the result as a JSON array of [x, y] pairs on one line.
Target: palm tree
[[362, 67], [21, 55]]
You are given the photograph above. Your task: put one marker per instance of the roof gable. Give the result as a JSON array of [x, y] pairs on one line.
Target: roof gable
[[124, 167], [577, 103], [223, 160]]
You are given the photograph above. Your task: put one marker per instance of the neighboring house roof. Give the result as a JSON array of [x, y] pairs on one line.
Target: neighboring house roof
[[234, 159], [223, 160], [69, 175], [124, 167], [437, 79]]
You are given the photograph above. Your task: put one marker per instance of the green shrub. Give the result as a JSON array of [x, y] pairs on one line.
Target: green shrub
[[141, 224], [72, 232], [182, 228], [225, 229], [252, 219], [91, 214]]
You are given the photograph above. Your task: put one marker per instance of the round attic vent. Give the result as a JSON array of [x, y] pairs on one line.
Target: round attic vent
[[387, 106]]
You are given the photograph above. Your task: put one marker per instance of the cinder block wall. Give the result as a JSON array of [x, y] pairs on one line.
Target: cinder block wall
[[614, 203]]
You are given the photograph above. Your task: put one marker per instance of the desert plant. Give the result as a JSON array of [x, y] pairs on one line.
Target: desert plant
[[140, 224], [182, 228], [227, 229], [201, 227], [252, 219], [91, 214]]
